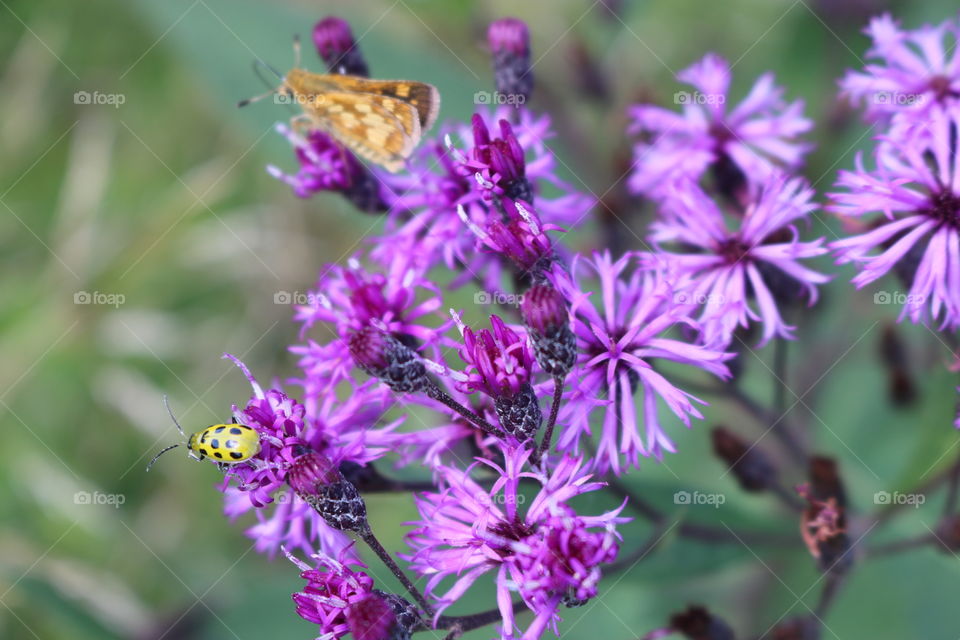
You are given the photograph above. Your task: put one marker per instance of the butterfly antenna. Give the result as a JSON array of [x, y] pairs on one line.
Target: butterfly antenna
[[166, 403], [296, 51], [259, 66], [173, 446]]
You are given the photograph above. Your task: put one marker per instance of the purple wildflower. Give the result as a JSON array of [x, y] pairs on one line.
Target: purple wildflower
[[913, 200], [332, 588], [914, 71], [616, 347], [334, 41], [500, 364], [520, 237], [547, 553], [722, 264], [326, 166], [754, 138]]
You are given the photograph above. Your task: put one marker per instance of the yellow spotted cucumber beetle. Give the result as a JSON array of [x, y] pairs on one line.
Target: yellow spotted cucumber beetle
[[226, 444]]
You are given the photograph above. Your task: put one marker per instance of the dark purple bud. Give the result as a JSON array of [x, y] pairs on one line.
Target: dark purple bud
[[384, 357], [407, 615], [752, 468], [893, 352], [948, 533], [825, 480], [510, 43], [798, 628], [320, 484], [372, 618], [696, 623], [335, 44], [546, 317], [519, 414]]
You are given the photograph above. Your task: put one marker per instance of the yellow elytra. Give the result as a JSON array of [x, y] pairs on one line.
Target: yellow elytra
[[226, 444]]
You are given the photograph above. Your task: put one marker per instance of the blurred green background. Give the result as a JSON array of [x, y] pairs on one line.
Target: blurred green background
[[162, 203]]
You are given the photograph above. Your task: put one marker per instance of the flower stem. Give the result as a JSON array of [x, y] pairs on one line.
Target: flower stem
[[554, 412], [440, 395], [367, 535]]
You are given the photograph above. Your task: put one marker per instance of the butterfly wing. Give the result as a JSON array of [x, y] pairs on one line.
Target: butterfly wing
[[424, 97], [378, 128]]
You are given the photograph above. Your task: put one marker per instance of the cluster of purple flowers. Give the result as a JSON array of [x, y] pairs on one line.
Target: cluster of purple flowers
[[902, 208], [586, 335]]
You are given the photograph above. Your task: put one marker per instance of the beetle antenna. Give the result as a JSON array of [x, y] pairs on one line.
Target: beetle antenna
[[166, 403], [173, 446]]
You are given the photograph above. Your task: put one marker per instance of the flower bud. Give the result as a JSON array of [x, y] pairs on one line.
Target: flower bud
[[546, 317], [510, 43], [697, 623], [372, 618], [335, 44], [750, 466], [320, 484], [384, 357]]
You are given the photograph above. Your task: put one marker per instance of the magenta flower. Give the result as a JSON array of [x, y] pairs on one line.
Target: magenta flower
[[332, 587], [500, 364], [520, 237], [914, 70], [725, 260], [546, 552], [616, 346], [911, 202], [325, 166], [752, 139]]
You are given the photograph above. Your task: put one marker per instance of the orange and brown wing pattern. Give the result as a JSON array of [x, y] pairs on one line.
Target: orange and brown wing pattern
[[424, 97], [378, 128]]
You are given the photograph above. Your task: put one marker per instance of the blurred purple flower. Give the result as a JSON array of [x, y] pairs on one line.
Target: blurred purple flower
[[721, 267], [332, 587], [911, 202], [752, 139], [914, 70], [616, 347]]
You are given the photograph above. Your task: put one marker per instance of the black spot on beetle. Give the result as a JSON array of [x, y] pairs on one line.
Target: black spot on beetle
[[203, 452], [230, 444], [215, 444], [219, 429], [217, 454], [235, 431], [236, 455]]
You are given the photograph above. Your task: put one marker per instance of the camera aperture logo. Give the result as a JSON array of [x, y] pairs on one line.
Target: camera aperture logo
[[99, 98], [100, 298], [699, 498], [99, 498]]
